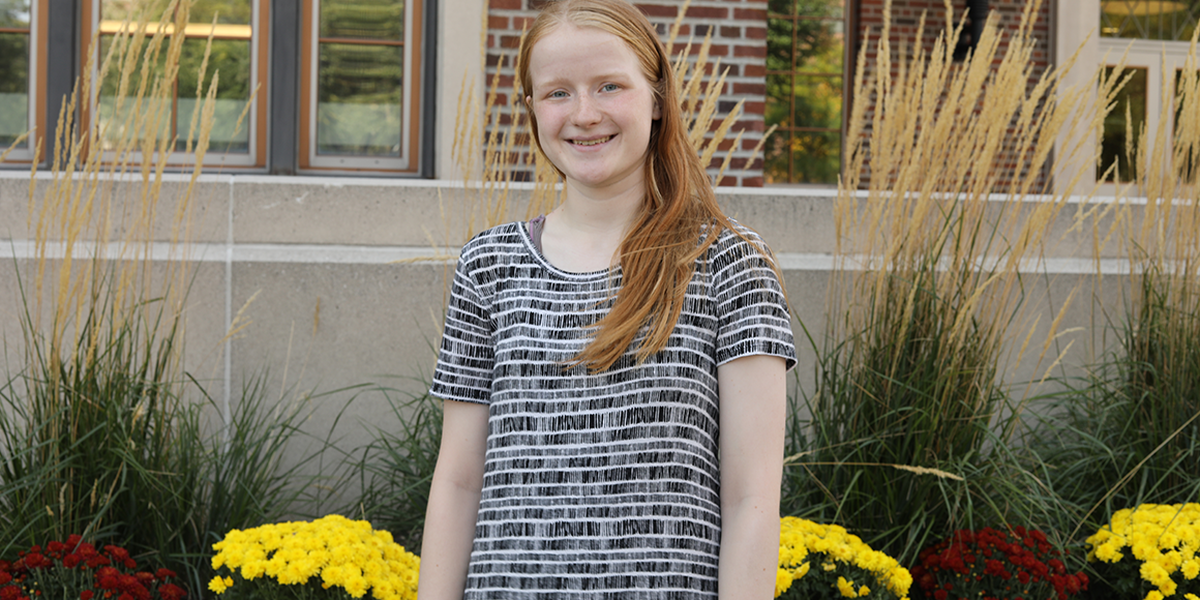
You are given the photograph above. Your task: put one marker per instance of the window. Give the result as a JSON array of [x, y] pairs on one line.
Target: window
[[330, 85], [19, 79], [238, 55], [357, 86], [1153, 36], [1149, 19], [805, 90]]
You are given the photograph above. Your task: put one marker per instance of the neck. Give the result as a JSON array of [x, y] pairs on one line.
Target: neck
[[585, 231]]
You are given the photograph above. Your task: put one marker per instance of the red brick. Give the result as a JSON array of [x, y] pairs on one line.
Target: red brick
[[749, 14], [657, 10], [505, 4], [708, 12], [756, 181], [749, 88], [495, 22], [754, 108], [522, 23], [753, 70], [756, 33], [731, 32], [751, 51]]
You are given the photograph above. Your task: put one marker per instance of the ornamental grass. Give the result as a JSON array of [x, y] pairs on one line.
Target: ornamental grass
[[103, 431], [331, 557], [943, 215], [825, 561]]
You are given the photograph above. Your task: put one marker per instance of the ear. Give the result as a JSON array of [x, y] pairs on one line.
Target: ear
[[529, 103]]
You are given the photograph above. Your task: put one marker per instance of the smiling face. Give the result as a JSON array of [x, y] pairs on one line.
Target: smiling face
[[594, 108]]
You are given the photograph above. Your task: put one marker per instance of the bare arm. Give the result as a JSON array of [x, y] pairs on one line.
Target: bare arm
[[453, 502], [753, 393]]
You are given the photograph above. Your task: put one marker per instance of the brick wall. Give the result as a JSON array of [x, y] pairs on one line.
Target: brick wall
[[906, 16], [738, 38]]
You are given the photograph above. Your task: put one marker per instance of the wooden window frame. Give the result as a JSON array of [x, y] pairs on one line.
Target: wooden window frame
[[35, 97], [409, 160], [256, 156]]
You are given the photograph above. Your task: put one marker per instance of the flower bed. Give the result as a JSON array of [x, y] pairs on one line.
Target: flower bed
[[995, 565], [1150, 552], [825, 561], [304, 559]]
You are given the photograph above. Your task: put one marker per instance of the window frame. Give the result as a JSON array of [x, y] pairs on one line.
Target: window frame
[[414, 144], [255, 158], [850, 34], [1159, 59], [35, 108]]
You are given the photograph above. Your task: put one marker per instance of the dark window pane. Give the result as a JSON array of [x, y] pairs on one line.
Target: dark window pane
[[1132, 99], [816, 156], [818, 102], [805, 70], [819, 47], [359, 99], [779, 100], [1186, 129], [779, 44], [828, 9], [14, 13], [363, 19], [777, 157], [1149, 19], [231, 60], [14, 88]]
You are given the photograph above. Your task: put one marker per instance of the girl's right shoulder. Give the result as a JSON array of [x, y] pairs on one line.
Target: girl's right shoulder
[[508, 236]]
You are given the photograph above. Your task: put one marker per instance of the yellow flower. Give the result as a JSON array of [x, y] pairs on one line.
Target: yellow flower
[[783, 581], [220, 584], [863, 591], [846, 588]]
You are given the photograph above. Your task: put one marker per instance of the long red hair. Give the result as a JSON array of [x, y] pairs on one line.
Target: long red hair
[[658, 254]]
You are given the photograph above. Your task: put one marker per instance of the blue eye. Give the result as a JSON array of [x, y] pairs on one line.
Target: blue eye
[[610, 87], [557, 94]]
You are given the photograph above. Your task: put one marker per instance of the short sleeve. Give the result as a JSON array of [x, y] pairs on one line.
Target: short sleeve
[[751, 309], [467, 354]]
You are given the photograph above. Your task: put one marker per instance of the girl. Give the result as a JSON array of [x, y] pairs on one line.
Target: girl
[[591, 357]]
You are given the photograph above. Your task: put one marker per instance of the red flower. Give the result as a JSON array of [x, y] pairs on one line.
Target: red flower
[[86, 595], [71, 561], [939, 595], [55, 547], [124, 597], [170, 591], [10, 592], [1023, 576], [5, 577], [116, 552], [163, 574]]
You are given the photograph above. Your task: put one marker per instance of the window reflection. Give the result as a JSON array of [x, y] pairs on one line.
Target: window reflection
[[1131, 101], [230, 56], [360, 77], [804, 96], [1149, 19], [14, 71]]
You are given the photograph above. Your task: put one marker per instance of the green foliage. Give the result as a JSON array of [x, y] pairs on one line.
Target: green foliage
[[1129, 433], [396, 467]]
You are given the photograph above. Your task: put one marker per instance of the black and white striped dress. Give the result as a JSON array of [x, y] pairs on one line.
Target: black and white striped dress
[[598, 485]]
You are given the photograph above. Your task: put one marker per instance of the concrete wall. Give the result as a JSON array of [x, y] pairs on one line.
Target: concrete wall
[[348, 278]]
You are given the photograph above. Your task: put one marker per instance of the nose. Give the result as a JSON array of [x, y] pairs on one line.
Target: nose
[[586, 112]]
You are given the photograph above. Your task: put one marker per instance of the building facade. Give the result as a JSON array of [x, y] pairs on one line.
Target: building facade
[[374, 87]]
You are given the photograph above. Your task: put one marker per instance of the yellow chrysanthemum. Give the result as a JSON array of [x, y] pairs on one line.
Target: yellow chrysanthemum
[[846, 588], [219, 584], [1163, 538], [800, 539], [338, 551]]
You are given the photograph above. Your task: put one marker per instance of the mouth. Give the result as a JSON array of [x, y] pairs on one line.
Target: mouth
[[593, 142]]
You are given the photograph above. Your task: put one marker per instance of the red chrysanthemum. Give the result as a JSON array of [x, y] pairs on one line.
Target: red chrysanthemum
[[170, 591]]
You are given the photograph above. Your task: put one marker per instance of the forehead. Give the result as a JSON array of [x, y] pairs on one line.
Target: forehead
[[570, 50]]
